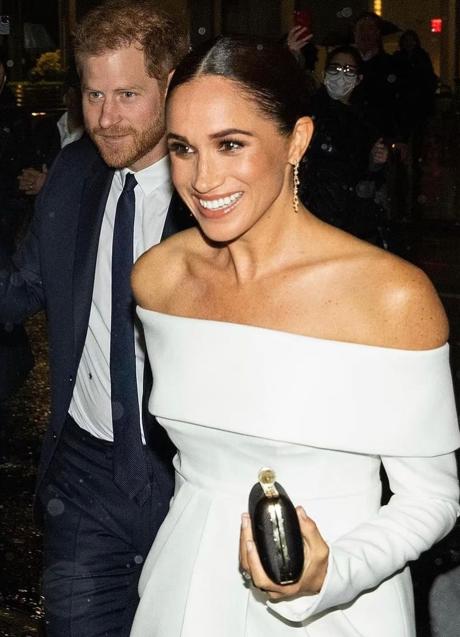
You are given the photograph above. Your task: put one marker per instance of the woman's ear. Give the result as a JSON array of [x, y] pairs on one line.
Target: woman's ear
[[300, 139]]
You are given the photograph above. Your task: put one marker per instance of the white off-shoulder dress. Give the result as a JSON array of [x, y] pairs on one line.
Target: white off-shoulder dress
[[324, 415]]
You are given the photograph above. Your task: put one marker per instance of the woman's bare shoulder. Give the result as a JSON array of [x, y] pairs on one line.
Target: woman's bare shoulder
[[404, 302], [157, 272]]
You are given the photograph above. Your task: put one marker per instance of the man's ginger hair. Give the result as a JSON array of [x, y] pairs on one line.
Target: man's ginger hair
[[116, 24]]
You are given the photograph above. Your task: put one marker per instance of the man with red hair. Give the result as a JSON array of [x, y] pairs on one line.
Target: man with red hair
[[105, 477]]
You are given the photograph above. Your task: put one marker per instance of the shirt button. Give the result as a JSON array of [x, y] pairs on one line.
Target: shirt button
[[70, 379]]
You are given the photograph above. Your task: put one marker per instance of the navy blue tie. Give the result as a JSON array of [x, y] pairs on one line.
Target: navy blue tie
[[129, 465]]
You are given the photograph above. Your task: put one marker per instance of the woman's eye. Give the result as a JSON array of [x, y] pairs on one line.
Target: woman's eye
[[230, 144], [179, 149]]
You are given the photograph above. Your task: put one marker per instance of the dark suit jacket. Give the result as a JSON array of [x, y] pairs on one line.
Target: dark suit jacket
[[46, 140], [54, 268], [16, 358]]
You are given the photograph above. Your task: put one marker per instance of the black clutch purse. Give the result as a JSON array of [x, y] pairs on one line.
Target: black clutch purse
[[276, 530]]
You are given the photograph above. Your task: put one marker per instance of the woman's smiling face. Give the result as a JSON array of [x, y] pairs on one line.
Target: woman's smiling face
[[229, 161]]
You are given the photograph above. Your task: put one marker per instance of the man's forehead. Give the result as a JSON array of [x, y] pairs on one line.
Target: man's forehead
[[124, 62], [133, 52]]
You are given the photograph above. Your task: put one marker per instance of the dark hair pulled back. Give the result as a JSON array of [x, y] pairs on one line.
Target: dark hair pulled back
[[347, 50], [267, 73]]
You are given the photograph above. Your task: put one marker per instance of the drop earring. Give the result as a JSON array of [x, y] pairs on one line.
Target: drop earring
[[295, 199]]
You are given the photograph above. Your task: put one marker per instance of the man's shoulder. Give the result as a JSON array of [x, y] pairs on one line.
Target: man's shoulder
[[76, 162], [82, 150]]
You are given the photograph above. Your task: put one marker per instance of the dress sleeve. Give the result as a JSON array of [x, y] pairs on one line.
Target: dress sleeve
[[422, 511]]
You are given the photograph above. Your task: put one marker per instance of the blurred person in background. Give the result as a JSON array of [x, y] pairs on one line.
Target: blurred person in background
[[419, 83], [383, 95], [15, 151], [414, 67], [380, 89], [300, 41], [7, 99], [16, 359], [343, 166], [53, 133]]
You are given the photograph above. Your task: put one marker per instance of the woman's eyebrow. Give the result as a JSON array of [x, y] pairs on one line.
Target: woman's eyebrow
[[231, 131], [222, 133], [176, 136]]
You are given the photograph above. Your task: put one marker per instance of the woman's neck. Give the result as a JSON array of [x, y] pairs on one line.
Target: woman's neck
[[271, 245]]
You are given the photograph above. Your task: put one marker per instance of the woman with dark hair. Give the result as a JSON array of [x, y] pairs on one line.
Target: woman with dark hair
[[279, 341], [343, 166]]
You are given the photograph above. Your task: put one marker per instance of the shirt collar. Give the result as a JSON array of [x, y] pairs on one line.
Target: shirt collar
[[62, 124], [63, 127], [152, 177]]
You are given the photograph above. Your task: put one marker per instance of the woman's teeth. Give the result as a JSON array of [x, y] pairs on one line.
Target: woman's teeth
[[215, 204]]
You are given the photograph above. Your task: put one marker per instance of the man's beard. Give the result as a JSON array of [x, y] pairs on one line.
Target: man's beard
[[138, 144]]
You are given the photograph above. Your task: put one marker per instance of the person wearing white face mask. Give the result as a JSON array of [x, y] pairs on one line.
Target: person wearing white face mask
[[340, 81], [343, 165]]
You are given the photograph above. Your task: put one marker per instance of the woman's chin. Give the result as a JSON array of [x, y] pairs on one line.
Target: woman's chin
[[218, 233]]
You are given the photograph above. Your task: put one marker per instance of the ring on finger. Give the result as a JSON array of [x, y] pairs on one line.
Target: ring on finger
[[246, 575]]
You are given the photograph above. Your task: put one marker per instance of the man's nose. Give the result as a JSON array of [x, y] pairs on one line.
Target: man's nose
[[109, 114]]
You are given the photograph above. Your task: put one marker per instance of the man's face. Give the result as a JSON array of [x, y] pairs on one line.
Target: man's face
[[367, 35], [123, 108]]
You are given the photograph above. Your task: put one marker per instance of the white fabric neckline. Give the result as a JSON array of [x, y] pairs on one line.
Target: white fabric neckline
[[294, 335]]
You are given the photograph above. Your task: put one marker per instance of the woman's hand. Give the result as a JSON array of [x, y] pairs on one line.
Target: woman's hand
[[316, 557], [297, 38]]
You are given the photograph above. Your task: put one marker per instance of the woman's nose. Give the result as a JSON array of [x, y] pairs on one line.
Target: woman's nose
[[207, 175]]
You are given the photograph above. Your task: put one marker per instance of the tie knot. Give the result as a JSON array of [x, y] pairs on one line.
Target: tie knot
[[130, 182]]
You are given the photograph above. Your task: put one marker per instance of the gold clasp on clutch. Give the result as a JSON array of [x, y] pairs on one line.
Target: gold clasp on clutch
[[267, 479]]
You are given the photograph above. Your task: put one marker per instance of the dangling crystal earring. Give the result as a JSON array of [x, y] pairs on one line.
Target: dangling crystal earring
[[295, 199]]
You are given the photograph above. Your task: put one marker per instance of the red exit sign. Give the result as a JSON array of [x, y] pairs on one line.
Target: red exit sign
[[436, 25]]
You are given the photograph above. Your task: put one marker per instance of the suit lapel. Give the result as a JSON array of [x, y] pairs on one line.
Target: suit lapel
[[92, 208]]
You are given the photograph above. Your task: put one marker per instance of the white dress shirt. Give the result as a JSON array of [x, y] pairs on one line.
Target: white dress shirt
[[65, 135], [90, 406]]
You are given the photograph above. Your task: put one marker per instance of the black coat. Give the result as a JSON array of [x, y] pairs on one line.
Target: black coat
[[46, 141], [418, 86], [381, 96], [15, 154], [336, 183], [16, 358]]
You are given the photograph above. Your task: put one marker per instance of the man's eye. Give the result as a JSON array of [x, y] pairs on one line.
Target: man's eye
[[179, 149], [129, 94], [94, 95], [230, 145]]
